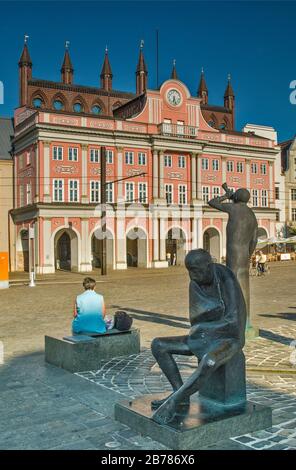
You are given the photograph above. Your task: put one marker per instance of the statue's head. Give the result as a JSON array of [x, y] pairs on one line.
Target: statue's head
[[241, 195], [200, 266]]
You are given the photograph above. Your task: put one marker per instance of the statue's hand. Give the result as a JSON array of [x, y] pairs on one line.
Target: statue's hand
[[166, 412]]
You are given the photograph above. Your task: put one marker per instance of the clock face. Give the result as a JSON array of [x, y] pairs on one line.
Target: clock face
[[174, 97]]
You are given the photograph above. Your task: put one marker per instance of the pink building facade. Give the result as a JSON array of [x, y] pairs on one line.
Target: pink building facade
[[175, 161]]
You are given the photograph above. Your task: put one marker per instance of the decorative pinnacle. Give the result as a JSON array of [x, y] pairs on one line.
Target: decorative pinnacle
[[26, 37], [174, 62], [202, 70], [229, 77], [106, 49], [142, 44], [67, 44]]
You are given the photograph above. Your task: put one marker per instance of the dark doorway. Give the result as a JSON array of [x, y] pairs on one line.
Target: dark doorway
[[64, 252]]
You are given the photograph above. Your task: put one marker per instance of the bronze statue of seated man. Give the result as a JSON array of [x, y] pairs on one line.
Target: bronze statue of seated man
[[218, 317]]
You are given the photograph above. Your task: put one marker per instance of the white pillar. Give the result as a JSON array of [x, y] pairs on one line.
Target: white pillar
[[85, 257], [193, 177], [155, 182], [199, 231], [46, 171], [224, 169], [248, 178], [271, 202], [224, 224], [48, 253], [84, 193], [199, 187], [120, 239], [36, 198], [120, 195], [155, 234], [161, 175], [194, 241], [162, 243]]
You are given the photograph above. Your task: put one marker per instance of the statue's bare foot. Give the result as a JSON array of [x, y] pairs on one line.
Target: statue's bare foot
[[168, 410], [155, 404]]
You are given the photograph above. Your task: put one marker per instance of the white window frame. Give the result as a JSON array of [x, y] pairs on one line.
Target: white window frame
[[142, 193], [230, 166], [109, 192], [293, 214], [73, 191], [109, 157], [168, 161], [182, 194], [94, 155], [95, 191], [215, 191], [58, 190], [169, 191], [142, 158], [255, 196], [167, 126], [129, 158], [181, 161], [264, 198], [215, 164], [56, 154], [74, 152], [28, 194], [180, 127], [263, 169], [205, 194], [130, 191], [204, 163], [293, 194], [254, 168], [239, 167]]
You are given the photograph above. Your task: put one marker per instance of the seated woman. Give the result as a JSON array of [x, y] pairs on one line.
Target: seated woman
[[89, 311]]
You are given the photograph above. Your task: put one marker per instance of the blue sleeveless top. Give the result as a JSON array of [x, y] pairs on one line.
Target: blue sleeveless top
[[89, 313]]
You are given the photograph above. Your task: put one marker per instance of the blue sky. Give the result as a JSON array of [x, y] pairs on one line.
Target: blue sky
[[254, 41]]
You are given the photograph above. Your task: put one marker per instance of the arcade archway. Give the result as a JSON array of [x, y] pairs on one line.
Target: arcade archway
[[175, 247], [136, 248], [66, 250], [211, 243], [22, 251], [96, 249]]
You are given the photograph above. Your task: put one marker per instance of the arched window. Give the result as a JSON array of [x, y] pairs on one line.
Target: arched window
[[58, 105], [96, 109], [211, 123], [223, 126], [77, 107], [38, 102]]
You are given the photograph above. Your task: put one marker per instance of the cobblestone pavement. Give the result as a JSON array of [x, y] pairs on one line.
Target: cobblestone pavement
[[138, 375], [43, 407]]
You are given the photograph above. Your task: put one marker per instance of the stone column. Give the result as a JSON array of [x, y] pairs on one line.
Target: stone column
[[224, 224], [85, 258], [120, 238], [199, 231], [224, 173], [155, 182], [161, 175], [46, 172], [120, 194], [271, 202], [162, 243], [193, 177], [37, 179], [48, 253], [155, 235], [194, 241], [248, 177], [199, 186], [85, 182]]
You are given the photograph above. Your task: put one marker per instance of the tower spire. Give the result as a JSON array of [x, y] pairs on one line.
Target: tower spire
[[106, 73], [174, 74], [67, 70], [25, 73], [202, 91], [141, 72], [229, 99]]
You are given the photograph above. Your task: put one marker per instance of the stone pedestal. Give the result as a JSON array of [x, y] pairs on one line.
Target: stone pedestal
[[195, 427], [81, 352]]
